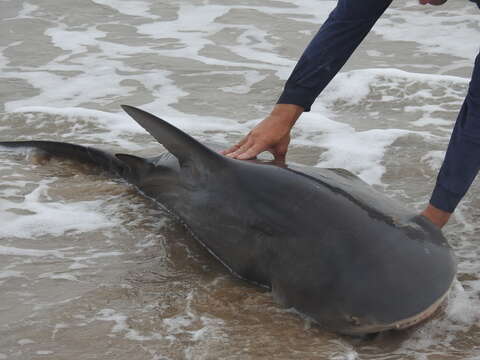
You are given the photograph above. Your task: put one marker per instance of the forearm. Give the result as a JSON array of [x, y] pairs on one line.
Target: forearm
[[287, 114], [339, 36], [462, 160]]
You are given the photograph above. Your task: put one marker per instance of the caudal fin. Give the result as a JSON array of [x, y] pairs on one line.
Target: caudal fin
[[186, 149]]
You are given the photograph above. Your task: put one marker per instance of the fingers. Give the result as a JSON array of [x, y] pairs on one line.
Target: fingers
[[248, 148], [230, 150], [241, 149], [251, 146], [268, 135], [251, 152], [246, 151], [235, 147]]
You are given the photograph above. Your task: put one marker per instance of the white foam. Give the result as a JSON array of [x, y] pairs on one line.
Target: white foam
[[251, 78], [84, 261], [10, 273], [359, 152], [193, 28], [57, 328], [120, 124], [58, 276], [362, 152], [354, 86], [429, 121], [27, 10], [313, 12], [176, 324], [254, 46], [351, 355], [188, 321], [460, 314], [97, 255], [463, 305], [434, 159], [44, 352], [121, 326], [3, 59], [211, 327], [111, 118], [13, 251], [128, 7], [86, 68], [25, 342], [62, 91], [78, 266], [51, 217], [433, 30], [75, 42]]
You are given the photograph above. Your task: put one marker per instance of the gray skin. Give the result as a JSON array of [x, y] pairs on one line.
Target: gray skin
[[326, 243]]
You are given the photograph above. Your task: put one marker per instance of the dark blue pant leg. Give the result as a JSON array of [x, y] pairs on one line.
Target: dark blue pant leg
[[462, 160]]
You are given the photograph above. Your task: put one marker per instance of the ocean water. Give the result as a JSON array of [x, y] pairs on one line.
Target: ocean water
[[90, 269]]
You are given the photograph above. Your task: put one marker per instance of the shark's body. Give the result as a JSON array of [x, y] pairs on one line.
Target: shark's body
[[325, 242]]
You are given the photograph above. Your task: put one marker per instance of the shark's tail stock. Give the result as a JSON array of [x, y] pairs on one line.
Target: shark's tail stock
[[83, 154]]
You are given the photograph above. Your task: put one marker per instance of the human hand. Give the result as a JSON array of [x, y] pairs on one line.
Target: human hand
[[432, 2], [271, 134], [436, 216]]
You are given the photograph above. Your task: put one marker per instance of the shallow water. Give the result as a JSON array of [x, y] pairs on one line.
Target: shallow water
[[90, 269]]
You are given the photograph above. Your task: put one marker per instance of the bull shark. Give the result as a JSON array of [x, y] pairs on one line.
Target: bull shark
[[326, 243]]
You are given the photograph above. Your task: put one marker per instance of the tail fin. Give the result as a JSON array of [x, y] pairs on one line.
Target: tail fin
[[186, 149], [80, 153]]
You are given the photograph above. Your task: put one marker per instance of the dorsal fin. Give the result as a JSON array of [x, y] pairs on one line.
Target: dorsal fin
[[185, 148]]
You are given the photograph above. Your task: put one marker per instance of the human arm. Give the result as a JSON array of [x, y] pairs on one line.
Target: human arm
[[343, 31], [336, 40]]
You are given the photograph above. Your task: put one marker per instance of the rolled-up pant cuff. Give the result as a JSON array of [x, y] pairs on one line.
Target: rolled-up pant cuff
[[443, 199]]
